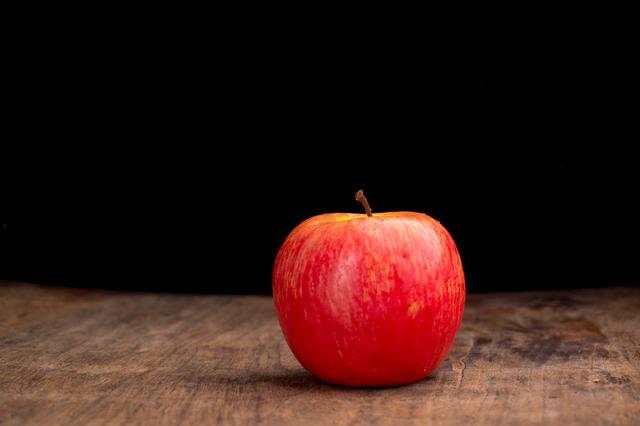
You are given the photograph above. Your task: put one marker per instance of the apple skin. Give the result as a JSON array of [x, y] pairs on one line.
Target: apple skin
[[369, 301]]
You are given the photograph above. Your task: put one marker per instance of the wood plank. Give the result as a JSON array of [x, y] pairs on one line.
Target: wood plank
[[70, 356]]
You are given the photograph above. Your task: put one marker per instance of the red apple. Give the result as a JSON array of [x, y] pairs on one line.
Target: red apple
[[369, 299]]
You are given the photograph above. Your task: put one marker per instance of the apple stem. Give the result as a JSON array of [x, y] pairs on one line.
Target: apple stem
[[360, 197]]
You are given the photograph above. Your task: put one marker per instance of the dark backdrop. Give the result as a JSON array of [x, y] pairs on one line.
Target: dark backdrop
[[136, 178]]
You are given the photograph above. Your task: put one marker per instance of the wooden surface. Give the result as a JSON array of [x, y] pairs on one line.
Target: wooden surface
[[94, 357]]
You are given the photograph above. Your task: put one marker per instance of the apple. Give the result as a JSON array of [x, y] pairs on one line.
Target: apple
[[369, 299]]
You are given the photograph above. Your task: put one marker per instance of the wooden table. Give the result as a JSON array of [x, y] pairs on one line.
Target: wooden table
[[73, 356]]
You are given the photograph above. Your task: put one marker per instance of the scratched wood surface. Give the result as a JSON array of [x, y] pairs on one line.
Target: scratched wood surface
[[71, 356]]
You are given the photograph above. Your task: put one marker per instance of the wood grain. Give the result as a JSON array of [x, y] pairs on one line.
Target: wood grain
[[70, 356]]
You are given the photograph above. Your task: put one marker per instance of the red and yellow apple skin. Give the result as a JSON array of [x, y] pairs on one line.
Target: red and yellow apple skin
[[369, 301]]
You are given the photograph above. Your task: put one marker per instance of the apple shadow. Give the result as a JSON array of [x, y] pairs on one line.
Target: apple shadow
[[294, 380]]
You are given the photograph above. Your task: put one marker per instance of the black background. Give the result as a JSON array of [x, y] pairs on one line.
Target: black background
[[135, 177]]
